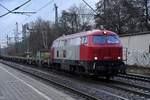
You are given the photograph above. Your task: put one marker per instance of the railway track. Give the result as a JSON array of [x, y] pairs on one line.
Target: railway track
[[135, 89], [127, 87], [88, 93], [43, 76], [135, 77]]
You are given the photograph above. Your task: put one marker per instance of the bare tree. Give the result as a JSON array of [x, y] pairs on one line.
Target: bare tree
[[39, 32], [146, 5], [121, 16], [77, 18]]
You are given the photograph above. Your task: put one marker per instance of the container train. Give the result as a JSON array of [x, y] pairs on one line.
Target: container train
[[95, 52]]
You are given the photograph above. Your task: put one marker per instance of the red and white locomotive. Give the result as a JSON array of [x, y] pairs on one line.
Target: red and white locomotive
[[96, 52]]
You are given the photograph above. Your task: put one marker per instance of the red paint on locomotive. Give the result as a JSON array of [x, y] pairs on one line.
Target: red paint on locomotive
[[103, 52], [94, 51]]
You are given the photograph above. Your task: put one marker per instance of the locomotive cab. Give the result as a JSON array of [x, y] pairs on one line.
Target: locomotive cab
[[103, 53], [106, 47]]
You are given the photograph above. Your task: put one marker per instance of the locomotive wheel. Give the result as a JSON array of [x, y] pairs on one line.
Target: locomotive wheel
[[123, 69], [72, 69], [56, 66], [79, 70]]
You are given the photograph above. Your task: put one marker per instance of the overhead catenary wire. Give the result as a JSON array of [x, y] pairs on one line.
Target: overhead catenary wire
[[35, 12], [90, 7], [23, 13], [96, 13], [10, 11], [18, 12], [38, 10], [45, 6], [4, 7]]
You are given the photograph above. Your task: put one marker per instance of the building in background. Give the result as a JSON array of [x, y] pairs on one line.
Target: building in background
[[138, 48]]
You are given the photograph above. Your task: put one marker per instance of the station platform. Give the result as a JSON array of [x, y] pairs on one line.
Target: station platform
[[15, 85]]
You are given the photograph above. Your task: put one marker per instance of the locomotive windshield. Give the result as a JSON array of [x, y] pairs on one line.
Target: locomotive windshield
[[101, 39], [112, 39]]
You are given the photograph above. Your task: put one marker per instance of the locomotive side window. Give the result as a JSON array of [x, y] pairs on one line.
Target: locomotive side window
[[64, 53], [84, 40], [57, 53], [99, 39], [149, 48]]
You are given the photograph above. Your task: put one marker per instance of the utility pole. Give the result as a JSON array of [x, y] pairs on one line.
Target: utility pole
[[7, 40], [16, 33], [56, 14], [16, 37], [7, 45]]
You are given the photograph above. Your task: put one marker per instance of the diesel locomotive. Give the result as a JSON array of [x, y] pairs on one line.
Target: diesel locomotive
[[95, 52]]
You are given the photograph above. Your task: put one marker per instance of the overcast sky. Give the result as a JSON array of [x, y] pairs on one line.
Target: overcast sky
[[7, 23]]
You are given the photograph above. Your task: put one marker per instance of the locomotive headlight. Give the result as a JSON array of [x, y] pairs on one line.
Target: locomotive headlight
[[95, 58], [119, 58]]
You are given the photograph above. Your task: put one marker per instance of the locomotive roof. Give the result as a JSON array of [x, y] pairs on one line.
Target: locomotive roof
[[91, 32]]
